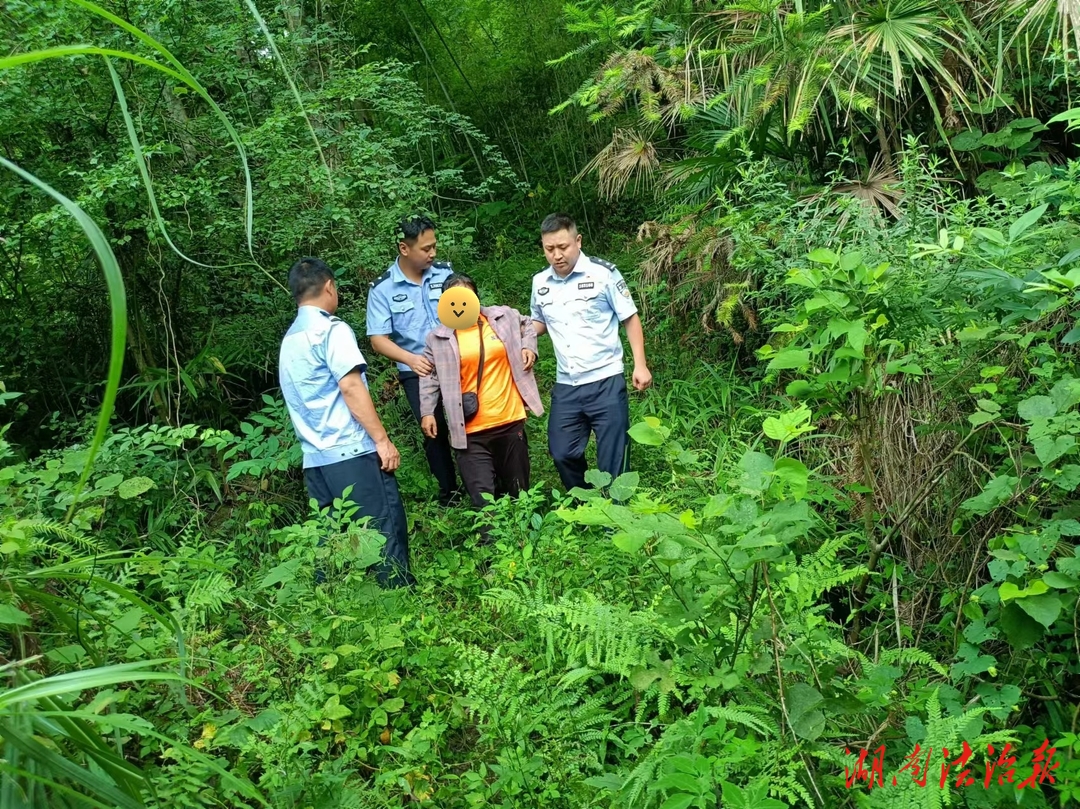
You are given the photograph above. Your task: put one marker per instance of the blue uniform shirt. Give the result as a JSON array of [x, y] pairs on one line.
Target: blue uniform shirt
[[317, 351], [582, 313], [406, 311]]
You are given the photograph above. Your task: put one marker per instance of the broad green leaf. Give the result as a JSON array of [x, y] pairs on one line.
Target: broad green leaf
[[849, 261], [629, 542], [1036, 407], [108, 482], [133, 487], [717, 505], [974, 333], [13, 616], [1065, 393], [1024, 223], [1049, 450], [333, 709], [857, 335], [790, 358], [598, 477], [968, 140], [1009, 590], [809, 726], [806, 721], [1067, 477], [1043, 608], [284, 572], [1019, 628], [393, 705], [799, 388], [823, 256], [997, 491], [757, 468], [971, 663], [788, 425], [624, 486], [794, 474], [1060, 581], [646, 434]]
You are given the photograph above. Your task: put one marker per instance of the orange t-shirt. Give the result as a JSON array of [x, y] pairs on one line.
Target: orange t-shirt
[[500, 402]]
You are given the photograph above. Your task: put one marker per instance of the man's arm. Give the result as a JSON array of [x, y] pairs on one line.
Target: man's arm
[[358, 398], [642, 376], [539, 325], [382, 344]]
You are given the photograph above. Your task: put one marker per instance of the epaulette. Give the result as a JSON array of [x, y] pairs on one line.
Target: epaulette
[[379, 280], [442, 265], [603, 263]]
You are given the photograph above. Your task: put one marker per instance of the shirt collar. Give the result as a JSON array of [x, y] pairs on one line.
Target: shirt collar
[[398, 275], [307, 313], [579, 267]]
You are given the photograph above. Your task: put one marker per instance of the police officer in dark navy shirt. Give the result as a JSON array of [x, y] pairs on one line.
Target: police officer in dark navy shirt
[[580, 301], [402, 308]]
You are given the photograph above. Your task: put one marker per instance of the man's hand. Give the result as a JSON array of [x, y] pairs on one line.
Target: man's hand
[[642, 377], [420, 365], [388, 455], [527, 358], [428, 426]]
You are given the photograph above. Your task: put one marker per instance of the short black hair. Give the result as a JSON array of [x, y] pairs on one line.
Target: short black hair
[[459, 279], [307, 277], [410, 228], [554, 222]]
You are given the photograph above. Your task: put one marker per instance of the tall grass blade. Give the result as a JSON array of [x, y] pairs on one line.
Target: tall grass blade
[[140, 161], [194, 84], [292, 86], [56, 763], [117, 306], [83, 798], [77, 681]]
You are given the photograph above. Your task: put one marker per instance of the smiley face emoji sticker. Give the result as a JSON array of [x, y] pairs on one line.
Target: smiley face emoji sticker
[[459, 308]]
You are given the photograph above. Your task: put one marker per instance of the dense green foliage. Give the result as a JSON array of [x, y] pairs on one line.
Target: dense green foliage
[[853, 518]]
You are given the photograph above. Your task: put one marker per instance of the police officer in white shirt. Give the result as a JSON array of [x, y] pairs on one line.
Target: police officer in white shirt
[[323, 379], [580, 301]]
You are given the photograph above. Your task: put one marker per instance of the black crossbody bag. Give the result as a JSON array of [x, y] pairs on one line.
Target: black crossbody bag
[[470, 402]]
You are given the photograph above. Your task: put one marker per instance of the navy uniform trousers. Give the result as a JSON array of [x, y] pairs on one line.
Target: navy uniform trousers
[[375, 493], [440, 455], [602, 407]]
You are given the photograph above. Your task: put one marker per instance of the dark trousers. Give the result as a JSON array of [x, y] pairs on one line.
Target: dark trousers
[[440, 456], [495, 462], [375, 493], [602, 407]]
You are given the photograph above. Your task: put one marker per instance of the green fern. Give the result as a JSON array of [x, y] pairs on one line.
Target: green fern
[[587, 632], [942, 733], [50, 537]]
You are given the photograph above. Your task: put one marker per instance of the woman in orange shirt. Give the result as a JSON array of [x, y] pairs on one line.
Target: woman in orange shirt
[[492, 448]]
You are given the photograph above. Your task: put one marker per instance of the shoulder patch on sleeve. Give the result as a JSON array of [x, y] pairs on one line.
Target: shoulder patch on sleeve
[[621, 286]]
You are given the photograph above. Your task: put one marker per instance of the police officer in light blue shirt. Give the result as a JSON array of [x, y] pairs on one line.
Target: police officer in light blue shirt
[[402, 308], [323, 379], [580, 301]]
